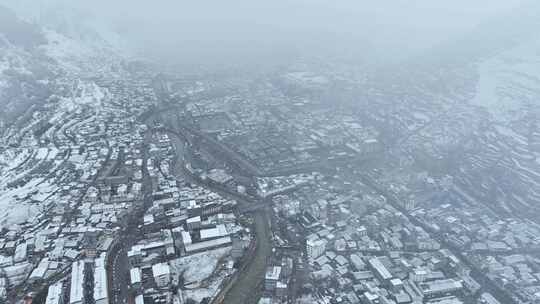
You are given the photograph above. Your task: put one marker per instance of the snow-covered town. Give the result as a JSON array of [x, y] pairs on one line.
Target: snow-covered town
[[125, 181]]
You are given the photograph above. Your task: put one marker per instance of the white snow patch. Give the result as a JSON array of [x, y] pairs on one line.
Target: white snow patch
[[200, 266], [16, 208], [200, 294], [509, 81], [84, 93], [511, 134]]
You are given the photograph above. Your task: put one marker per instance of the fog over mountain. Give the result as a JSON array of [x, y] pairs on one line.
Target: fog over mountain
[[241, 30]]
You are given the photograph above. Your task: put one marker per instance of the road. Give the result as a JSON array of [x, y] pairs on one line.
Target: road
[[120, 274], [118, 267]]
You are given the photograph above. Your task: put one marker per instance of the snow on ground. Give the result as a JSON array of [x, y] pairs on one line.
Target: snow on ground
[[80, 21], [199, 294], [421, 116], [14, 59], [509, 81], [4, 65], [307, 299], [511, 134], [200, 266], [37, 158], [307, 78], [53, 152], [22, 203], [197, 270], [66, 51], [12, 158], [42, 153], [77, 57], [16, 208], [84, 93]]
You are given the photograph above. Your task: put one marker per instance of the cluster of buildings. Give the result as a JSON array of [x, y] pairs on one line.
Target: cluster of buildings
[[357, 248], [190, 239], [184, 223], [501, 246], [71, 195], [441, 215], [278, 134]]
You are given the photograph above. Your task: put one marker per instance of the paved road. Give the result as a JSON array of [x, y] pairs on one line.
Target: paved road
[[118, 261], [120, 271]]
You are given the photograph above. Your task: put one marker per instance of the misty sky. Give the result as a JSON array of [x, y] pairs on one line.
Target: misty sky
[[240, 29]]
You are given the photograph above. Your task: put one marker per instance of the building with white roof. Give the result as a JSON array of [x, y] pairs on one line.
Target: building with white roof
[[418, 275], [380, 270], [40, 271], [194, 222], [77, 282], [20, 253], [440, 287], [207, 245], [162, 274], [55, 294], [100, 281], [135, 277], [186, 238], [3, 288], [139, 299], [271, 277], [212, 233], [487, 298], [315, 248]]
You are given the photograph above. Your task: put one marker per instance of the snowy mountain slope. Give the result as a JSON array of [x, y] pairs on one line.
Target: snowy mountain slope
[[80, 58], [44, 74], [36, 61], [509, 83], [75, 20], [78, 41], [19, 32], [24, 75]]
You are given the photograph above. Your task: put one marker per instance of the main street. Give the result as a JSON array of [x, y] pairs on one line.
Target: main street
[[118, 266]]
